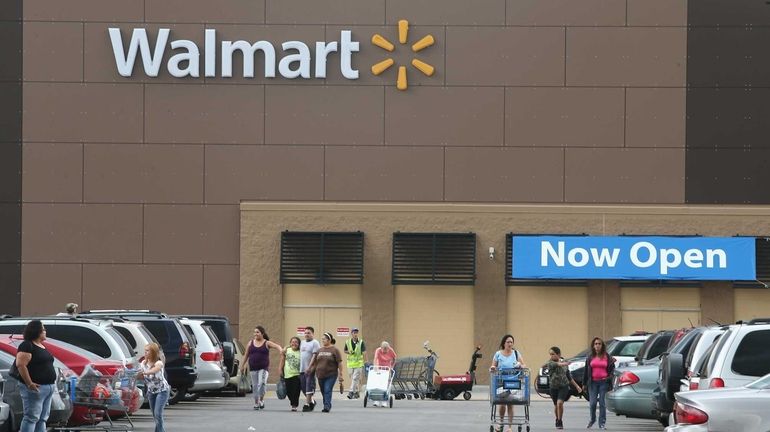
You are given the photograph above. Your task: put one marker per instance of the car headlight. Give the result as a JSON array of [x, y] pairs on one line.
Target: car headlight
[[576, 365]]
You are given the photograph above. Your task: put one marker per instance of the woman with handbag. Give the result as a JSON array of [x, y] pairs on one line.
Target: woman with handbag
[[257, 358], [597, 378], [290, 371], [34, 368]]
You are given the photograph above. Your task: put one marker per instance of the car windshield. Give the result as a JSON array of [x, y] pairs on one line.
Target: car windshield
[[147, 335], [760, 384]]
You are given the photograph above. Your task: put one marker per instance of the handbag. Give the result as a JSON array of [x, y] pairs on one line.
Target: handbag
[[280, 389], [13, 372], [244, 384]]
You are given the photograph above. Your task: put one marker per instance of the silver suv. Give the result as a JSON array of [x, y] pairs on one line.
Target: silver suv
[[739, 357]]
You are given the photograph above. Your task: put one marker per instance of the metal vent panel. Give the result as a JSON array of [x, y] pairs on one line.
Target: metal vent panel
[[434, 258], [322, 257]]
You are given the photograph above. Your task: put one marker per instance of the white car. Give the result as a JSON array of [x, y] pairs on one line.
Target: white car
[[137, 336], [212, 374], [740, 356], [693, 361], [5, 409]]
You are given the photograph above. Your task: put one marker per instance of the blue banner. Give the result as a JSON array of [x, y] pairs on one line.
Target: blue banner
[[628, 257]]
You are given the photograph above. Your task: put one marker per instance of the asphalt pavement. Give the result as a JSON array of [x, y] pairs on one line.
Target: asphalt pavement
[[229, 413]]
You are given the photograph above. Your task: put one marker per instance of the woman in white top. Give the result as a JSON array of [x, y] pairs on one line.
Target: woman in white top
[[151, 368], [507, 358]]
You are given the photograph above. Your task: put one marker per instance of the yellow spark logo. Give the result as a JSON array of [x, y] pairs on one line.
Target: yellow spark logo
[[403, 31]]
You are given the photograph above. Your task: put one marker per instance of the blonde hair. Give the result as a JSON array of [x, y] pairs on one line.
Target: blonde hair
[[384, 345], [153, 354]]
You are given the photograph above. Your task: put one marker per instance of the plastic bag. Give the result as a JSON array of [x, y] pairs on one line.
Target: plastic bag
[[280, 389], [244, 383]]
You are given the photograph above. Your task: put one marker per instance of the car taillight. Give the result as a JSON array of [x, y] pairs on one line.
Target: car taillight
[[716, 383], [685, 414], [693, 385], [627, 378], [211, 356], [184, 350]]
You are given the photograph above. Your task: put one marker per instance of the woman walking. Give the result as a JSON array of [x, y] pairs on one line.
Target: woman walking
[[559, 380], [151, 369], [328, 366], [384, 356], [290, 371], [596, 378], [37, 376], [505, 359], [257, 358]]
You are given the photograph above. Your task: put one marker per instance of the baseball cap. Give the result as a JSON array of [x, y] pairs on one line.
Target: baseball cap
[[354, 330]]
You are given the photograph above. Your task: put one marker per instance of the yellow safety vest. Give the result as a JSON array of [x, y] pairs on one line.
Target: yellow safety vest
[[355, 357]]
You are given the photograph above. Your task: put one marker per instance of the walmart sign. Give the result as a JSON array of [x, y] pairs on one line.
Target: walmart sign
[[653, 258]]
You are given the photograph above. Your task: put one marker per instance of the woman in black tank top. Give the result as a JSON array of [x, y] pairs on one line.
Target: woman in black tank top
[[37, 375]]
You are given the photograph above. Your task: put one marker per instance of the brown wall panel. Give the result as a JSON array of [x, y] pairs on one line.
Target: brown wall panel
[[571, 117], [631, 56], [177, 234], [205, 11], [447, 12], [323, 115], [48, 287], [84, 10], [220, 291], [656, 117], [53, 172], [235, 173], [10, 221], [384, 174], [99, 59], [657, 13], [444, 116], [513, 56], [11, 173], [325, 12], [624, 175], [566, 12], [53, 51], [504, 175], [11, 47], [130, 173], [10, 111], [226, 114], [82, 112], [75, 233], [176, 289]]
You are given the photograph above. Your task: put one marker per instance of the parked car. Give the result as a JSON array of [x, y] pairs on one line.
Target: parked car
[[740, 356], [631, 393], [136, 334], [655, 345], [211, 369], [743, 409], [5, 409], [177, 345], [240, 350], [61, 406], [693, 361], [220, 324]]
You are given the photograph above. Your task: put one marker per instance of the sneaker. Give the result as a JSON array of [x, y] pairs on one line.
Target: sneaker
[[256, 407], [357, 395], [590, 425], [306, 408], [559, 424], [601, 426], [262, 405], [293, 409], [350, 395], [326, 410]]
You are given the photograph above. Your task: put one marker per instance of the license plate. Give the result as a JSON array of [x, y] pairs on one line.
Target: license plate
[[543, 380]]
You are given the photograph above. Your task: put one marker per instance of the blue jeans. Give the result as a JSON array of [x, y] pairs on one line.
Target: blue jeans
[[157, 405], [37, 407], [596, 392], [327, 388]]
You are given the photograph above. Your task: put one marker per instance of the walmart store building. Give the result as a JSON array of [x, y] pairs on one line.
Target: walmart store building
[[390, 165]]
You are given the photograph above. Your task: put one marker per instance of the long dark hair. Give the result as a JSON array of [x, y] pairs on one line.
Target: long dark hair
[[502, 341], [330, 337], [264, 333], [602, 352], [299, 342], [33, 330]]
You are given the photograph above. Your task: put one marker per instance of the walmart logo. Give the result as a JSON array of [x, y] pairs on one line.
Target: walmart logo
[[403, 37]]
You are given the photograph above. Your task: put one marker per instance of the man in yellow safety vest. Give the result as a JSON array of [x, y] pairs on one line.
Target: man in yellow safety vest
[[356, 351]]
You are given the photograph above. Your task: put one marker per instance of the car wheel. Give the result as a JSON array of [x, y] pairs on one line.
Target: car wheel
[[663, 421], [175, 395]]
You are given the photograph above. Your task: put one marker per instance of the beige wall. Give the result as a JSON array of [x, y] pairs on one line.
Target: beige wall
[[659, 308], [752, 303]]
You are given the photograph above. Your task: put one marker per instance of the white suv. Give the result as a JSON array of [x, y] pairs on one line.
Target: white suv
[[740, 356], [212, 374]]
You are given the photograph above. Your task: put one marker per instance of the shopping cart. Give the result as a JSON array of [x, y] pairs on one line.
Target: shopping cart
[[413, 377], [379, 380], [509, 387], [109, 395]]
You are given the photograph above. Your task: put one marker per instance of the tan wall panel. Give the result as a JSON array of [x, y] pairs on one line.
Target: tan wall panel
[[441, 314], [204, 11], [657, 13], [752, 303], [52, 172], [82, 112], [653, 321], [321, 295], [455, 12], [513, 56], [127, 173], [566, 12], [84, 10], [47, 288], [225, 114], [74, 233], [722, 223], [324, 115], [562, 307], [556, 117], [239, 172], [187, 234], [220, 291], [626, 56], [717, 302], [384, 174], [666, 297], [174, 289], [504, 175], [444, 116], [325, 12], [655, 117], [53, 51], [625, 175], [664, 308]]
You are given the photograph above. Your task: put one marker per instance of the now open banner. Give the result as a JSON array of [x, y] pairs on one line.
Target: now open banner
[[627, 257]]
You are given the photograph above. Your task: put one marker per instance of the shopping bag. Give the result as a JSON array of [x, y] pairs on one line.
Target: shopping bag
[[244, 383], [280, 389]]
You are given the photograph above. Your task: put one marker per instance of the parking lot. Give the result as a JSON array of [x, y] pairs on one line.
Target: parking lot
[[235, 414]]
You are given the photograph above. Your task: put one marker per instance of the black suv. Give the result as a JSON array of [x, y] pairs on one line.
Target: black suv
[[653, 347], [220, 324], [177, 345]]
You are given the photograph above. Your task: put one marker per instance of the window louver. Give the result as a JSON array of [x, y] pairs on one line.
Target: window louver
[[434, 259], [322, 257]]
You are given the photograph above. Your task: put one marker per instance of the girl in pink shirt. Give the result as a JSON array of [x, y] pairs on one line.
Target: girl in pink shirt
[[596, 378]]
